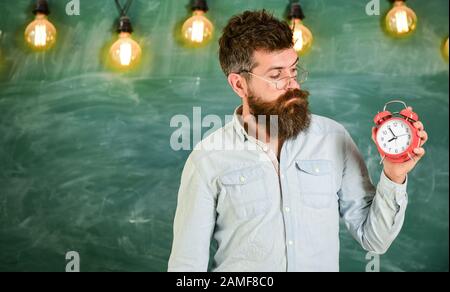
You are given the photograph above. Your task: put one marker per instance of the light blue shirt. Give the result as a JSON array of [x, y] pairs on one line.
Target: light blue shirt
[[286, 219]]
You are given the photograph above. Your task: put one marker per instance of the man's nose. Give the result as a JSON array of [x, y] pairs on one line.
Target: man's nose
[[293, 84]]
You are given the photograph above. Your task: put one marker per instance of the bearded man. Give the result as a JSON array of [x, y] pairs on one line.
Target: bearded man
[[273, 200]]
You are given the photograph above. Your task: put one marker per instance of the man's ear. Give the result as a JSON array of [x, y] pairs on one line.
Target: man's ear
[[239, 85]]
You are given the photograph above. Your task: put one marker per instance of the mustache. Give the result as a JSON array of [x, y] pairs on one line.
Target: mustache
[[293, 93], [292, 111], [280, 104]]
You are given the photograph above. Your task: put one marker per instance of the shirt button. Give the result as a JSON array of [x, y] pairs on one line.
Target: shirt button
[[242, 179], [291, 242], [317, 170], [287, 209], [282, 176]]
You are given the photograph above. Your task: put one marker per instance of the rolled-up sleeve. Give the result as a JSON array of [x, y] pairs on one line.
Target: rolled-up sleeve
[[374, 216], [194, 222]]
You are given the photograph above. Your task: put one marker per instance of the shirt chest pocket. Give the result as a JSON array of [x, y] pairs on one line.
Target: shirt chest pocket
[[316, 183], [246, 191]]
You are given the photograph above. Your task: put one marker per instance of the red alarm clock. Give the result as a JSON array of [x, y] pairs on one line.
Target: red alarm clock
[[395, 135]]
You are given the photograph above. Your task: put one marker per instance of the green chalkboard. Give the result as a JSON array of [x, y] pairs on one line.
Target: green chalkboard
[[85, 157]]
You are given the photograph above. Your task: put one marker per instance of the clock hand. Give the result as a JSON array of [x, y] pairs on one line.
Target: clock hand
[[392, 132], [395, 138]]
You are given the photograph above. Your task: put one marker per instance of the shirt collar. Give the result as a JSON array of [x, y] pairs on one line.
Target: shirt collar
[[238, 125]]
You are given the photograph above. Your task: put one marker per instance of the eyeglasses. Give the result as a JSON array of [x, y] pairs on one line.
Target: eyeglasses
[[300, 75]]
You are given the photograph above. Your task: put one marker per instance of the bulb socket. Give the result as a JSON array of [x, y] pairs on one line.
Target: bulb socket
[[296, 12], [124, 25], [199, 5], [393, 1], [41, 7]]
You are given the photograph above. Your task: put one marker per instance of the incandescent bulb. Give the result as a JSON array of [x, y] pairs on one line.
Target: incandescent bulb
[[125, 52], [41, 33], [445, 49], [197, 29], [401, 20], [0, 44], [303, 38]]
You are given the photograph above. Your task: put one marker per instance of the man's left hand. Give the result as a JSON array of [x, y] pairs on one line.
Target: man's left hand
[[397, 172]]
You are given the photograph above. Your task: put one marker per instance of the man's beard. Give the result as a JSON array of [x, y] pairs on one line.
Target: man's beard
[[291, 109]]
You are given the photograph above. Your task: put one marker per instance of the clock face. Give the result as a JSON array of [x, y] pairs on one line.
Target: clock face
[[394, 137]]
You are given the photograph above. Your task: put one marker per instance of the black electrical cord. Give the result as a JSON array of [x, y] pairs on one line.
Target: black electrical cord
[[41, 7], [124, 20], [199, 5], [123, 10], [296, 11]]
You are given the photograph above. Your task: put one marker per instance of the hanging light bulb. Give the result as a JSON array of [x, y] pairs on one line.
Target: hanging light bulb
[[198, 30], [445, 49], [303, 38], [0, 43], [125, 52], [41, 33], [401, 20]]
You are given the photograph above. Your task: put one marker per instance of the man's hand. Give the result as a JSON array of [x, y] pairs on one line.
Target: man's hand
[[397, 172]]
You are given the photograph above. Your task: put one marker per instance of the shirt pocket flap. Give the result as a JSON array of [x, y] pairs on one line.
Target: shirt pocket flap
[[314, 167], [241, 176]]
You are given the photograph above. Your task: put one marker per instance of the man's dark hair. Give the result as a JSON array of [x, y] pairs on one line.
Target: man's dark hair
[[249, 32]]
